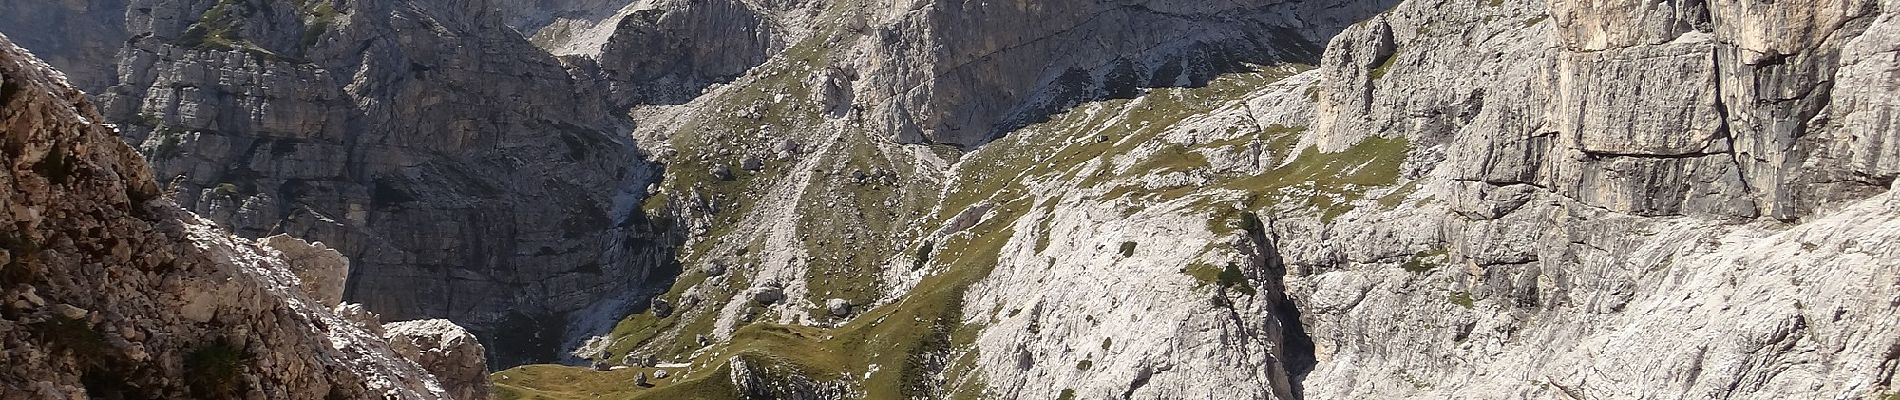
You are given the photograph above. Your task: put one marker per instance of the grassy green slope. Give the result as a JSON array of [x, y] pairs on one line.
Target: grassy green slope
[[917, 344]]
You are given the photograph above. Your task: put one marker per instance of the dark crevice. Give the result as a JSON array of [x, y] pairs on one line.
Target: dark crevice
[[1609, 154], [1297, 350], [8, 90]]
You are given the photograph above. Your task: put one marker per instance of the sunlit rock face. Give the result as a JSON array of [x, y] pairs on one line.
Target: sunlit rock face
[[1072, 199]]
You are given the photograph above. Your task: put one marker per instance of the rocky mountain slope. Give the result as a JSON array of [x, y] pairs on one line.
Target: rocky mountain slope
[[1487, 200], [108, 290], [468, 174], [1072, 199]]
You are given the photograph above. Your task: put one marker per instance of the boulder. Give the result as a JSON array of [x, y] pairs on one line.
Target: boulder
[[445, 350], [320, 270], [661, 308], [838, 307], [768, 295]]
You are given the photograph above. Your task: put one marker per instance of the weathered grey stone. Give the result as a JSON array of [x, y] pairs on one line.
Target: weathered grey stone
[[139, 282], [838, 307], [446, 350], [321, 270], [408, 137], [768, 295]]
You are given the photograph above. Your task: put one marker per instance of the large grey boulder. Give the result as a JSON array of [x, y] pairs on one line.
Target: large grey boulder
[[321, 270], [446, 350]]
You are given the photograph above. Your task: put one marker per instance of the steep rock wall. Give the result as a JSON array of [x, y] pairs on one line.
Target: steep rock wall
[[110, 291], [465, 172]]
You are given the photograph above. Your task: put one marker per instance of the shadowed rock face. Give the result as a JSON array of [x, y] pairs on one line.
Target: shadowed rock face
[[80, 38], [108, 290], [964, 72], [465, 172]]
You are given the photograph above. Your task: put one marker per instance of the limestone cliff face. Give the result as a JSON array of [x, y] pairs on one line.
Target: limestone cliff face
[[108, 290], [1745, 128], [1609, 172], [80, 38], [465, 172], [1150, 199], [963, 73], [1512, 199]]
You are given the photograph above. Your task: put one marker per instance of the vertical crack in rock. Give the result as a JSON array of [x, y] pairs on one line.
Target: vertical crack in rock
[[1295, 354]]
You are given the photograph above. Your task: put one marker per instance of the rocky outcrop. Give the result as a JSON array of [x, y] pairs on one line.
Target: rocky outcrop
[[1743, 131], [669, 51], [964, 73], [320, 270], [1611, 173], [465, 173], [108, 290], [1474, 200], [450, 353]]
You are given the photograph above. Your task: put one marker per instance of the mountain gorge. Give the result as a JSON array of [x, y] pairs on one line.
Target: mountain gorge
[[1061, 200]]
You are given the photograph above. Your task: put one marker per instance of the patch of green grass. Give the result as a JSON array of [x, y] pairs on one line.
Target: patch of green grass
[[1372, 162], [1385, 64], [564, 382], [1043, 225], [1127, 249], [1425, 261], [168, 140], [1107, 342], [319, 16], [1229, 277], [1173, 158], [1462, 299], [912, 341], [1397, 196], [1084, 365], [1067, 394]]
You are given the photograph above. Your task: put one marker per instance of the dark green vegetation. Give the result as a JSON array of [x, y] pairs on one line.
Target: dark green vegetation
[[1462, 299], [222, 26], [1385, 65], [218, 27], [213, 370], [76, 336], [1424, 261], [1226, 278]]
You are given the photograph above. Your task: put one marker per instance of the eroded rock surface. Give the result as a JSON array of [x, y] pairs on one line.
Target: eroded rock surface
[[108, 290], [465, 173], [446, 350]]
